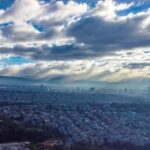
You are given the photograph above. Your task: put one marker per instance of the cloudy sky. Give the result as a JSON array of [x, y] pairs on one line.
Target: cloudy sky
[[93, 41]]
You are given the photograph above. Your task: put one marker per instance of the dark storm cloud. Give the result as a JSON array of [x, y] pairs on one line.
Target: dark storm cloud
[[137, 65], [103, 36], [46, 52]]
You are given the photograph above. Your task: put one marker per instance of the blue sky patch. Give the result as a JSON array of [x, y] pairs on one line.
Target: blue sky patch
[[135, 9], [4, 4], [6, 24], [37, 26], [16, 60]]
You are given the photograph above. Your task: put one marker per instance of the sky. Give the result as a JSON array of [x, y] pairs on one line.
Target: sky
[[89, 41]]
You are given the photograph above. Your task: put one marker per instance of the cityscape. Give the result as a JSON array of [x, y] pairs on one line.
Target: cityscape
[[108, 119], [74, 74]]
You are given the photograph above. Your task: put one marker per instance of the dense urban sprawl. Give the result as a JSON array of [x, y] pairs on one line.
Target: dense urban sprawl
[[92, 123]]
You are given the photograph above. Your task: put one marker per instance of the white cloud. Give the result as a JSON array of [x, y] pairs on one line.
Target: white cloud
[[123, 6], [21, 11], [60, 11], [52, 17], [120, 66], [1, 12], [107, 9]]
